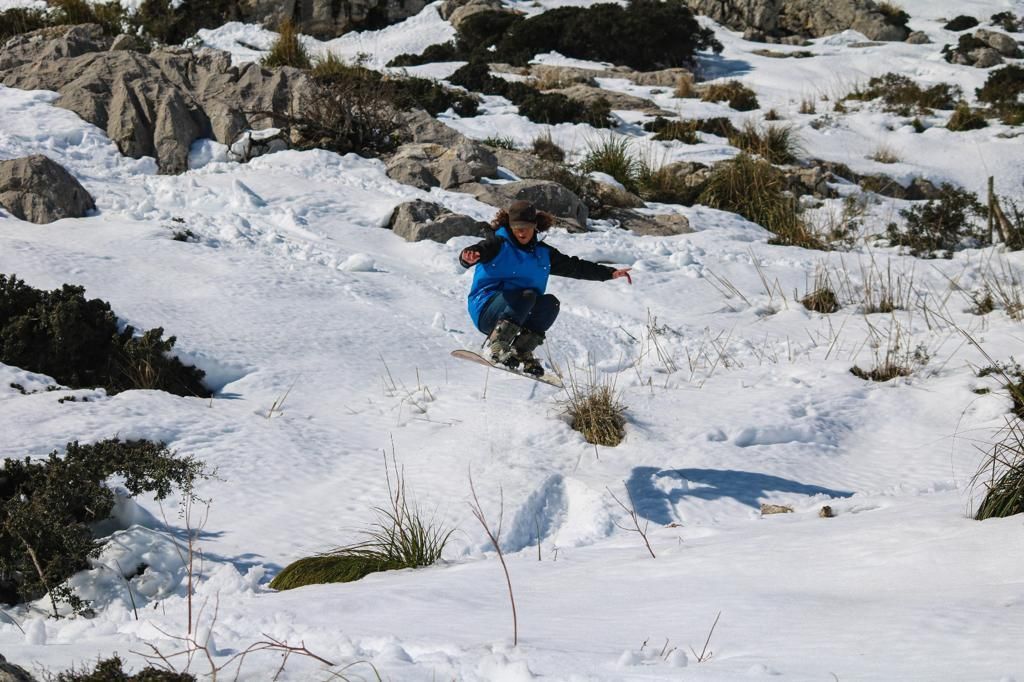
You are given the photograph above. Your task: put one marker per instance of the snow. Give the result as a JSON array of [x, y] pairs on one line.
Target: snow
[[326, 339]]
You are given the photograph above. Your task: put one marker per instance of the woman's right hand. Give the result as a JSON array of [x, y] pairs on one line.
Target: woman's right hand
[[470, 255]]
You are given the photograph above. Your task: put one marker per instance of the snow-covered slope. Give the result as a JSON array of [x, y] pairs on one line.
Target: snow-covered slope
[[294, 296]]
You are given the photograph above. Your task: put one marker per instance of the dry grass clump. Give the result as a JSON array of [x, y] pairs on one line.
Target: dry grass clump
[[894, 355], [884, 154], [774, 143], [287, 50], [685, 88], [738, 96], [667, 129], [822, 297], [1002, 474], [965, 118], [594, 409], [401, 538], [547, 149], [757, 191]]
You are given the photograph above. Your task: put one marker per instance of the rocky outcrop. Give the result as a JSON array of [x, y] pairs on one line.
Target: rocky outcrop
[[152, 104], [590, 95], [569, 211], [10, 672], [526, 165], [662, 225], [330, 18], [39, 190], [433, 165], [417, 220], [802, 18], [457, 11], [983, 49], [550, 76]]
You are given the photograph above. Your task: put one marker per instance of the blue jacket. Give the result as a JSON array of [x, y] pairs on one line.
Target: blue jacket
[[507, 265]]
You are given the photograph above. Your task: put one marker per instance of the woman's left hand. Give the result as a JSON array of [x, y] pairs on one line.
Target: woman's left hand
[[623, 272]]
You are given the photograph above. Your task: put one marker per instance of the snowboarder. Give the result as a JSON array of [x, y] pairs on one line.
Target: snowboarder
[[507, 300]]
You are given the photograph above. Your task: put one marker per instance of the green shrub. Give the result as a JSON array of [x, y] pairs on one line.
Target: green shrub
[[903, 96], [644, 35], [739, 96], [76, 341], [112, 670], [965, 118], [940, 226], [664, 185], [755, 189], [48, 508], [500, 142], [960, 23], [441, 52], [287, 50], [401, 538], [774, 143]]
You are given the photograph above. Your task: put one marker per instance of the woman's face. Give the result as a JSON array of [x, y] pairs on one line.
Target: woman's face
[[523, 235]]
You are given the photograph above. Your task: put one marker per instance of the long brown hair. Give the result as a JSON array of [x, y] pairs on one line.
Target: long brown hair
[[544, 220]]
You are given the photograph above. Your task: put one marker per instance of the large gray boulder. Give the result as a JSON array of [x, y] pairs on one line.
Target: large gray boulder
[[418, 220], [807, 18], [434, 165], [39, 190], [329, 18], [590, 95], [153, 104], [662, 225], [569, 211], [526, 165]]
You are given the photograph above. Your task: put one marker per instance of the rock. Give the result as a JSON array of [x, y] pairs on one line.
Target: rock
[[918, 38], [984, 57], [526, 165], [615, 197], [465, 10], [618, 100], [419, 220], [50, 44], [570, 212], [433, 165], [39, 190], [663, 225], [10, 672], [917, 190], [253, 143], [154, 104], [325, 19], [805, 18], [126, 41], [664, 78], [1004, 44], [422, 127], [775, 509]]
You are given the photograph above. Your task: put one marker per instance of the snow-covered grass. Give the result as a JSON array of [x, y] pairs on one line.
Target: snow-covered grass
[[326, 339]]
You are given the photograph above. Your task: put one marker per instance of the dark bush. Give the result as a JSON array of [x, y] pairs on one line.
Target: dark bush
[[480, 31], [1003, 86], [441, 52], [940, 226], [20, 20], [112, 670], [965, 118], [533, 104], [894, 16], [736, 94], [48, 506], [77, 342], [666, 129], [1008, 21], [548, 149], [169, 22], [434, 98], [961, 23], [905, 97], [645, 35]]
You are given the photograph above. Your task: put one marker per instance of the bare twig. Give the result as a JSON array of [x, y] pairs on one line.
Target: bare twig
[[631, 511], [478, 513], [706, 655]]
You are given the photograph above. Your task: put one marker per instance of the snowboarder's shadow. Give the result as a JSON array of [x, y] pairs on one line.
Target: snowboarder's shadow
[[653, 502]]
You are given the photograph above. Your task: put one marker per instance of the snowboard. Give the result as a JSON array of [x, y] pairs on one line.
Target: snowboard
[[549, 379]]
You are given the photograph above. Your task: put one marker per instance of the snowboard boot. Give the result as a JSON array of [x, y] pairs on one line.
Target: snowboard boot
[[523, 347], [499, 343]]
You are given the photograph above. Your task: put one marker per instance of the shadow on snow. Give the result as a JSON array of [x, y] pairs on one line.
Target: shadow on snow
[[748, 488]]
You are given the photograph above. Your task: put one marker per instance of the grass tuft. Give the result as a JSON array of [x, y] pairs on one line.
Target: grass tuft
[[613, 156], [401, 538], [288, 50], [738, 96], [1002, 474], [594, 409], [774, 143]]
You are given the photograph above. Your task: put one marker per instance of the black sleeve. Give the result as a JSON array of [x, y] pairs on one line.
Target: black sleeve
[[577, 268], [487, 249]]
